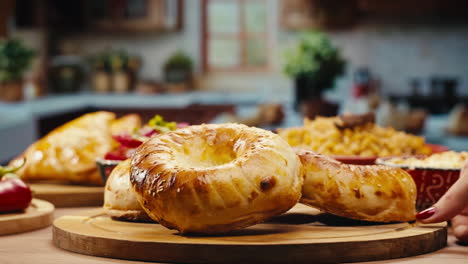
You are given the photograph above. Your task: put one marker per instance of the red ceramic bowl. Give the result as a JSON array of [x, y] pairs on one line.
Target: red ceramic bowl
[[371, 160], [105, 167], [431, 183], [357, 160]]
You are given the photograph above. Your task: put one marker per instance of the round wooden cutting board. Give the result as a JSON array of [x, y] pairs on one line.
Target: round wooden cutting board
[[38, 215], [302, 235], [65, 195]]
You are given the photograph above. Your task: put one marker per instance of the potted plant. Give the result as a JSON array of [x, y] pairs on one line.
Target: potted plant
[[178, 70], [15, 59], [314, 64], [114, 70]]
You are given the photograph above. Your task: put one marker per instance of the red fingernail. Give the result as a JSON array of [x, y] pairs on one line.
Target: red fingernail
[[426, 213]]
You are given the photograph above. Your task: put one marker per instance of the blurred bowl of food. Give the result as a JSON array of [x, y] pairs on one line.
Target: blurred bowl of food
[[126, 143], [105, 167], [432, 174], [355, 139], [358, 160]]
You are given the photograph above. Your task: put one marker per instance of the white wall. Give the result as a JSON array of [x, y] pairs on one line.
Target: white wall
[[153, 47], [397, 53], [394, 52]]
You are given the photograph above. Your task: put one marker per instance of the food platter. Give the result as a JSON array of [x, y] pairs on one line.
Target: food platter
[[300, 236], [358, 160], [199, 180], [67, 195], [38, 215], [433, 175]]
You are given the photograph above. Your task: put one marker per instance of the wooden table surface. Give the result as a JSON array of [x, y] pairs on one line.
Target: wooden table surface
[[36, 247]]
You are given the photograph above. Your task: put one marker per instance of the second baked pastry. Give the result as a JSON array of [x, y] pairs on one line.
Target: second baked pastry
[[119, 199], [372, 193]]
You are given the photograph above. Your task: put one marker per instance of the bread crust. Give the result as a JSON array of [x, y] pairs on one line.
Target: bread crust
[[69, 152], [119, 198], [371, 193], [212, 179]]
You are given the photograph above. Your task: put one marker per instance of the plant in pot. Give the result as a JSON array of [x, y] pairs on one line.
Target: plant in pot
[[178, 71], [114, 70], [15, 59], [314, 63]]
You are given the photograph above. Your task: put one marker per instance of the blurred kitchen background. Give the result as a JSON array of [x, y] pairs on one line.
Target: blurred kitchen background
[[266, 63]]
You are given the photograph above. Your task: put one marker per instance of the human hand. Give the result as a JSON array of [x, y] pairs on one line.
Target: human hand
[[452, 205]]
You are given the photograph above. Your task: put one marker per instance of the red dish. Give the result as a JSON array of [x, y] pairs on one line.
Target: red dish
[[431, 183], [371, 160], [105, 167]]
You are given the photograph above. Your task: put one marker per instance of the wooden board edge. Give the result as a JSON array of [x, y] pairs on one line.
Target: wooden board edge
[[63, 195], [280, 253], [63, 200], [36, 221]]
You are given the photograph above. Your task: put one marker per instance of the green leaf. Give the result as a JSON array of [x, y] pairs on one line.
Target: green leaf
[[15, 59], [9, 170], [315, 56], [157, 122], [179, 60]]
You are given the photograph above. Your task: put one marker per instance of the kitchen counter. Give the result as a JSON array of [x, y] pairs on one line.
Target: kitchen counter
[[20, 119], [36, 247]]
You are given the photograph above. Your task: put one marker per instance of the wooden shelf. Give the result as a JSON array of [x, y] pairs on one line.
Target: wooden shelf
[[6, 11], [158, 15], [332, 14], [307, 14]]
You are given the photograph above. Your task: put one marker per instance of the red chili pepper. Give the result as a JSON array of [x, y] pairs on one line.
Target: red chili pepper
[[119, 153], [115, 155], [127, 140], [151, 133], [15, 195]]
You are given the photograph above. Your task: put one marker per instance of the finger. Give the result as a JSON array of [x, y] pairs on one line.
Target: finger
[[451, 203], [460, 227]]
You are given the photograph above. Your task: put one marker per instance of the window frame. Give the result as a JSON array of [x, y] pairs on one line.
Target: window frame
[[241, 37]]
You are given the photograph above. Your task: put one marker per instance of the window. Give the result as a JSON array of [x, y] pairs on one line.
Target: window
[[235, 35]]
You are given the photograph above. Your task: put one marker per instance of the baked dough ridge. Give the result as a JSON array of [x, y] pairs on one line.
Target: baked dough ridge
[[215, 178], [363, 192]]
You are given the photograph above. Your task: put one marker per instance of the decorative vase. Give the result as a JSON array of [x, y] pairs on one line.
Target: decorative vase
[[101, 82], [11, 91], [180, 76], [306, 89], [309, 99], [120, 82]]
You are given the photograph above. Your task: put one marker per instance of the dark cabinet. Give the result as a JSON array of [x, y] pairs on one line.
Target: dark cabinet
[[134, 15], [329, 14], [6, 12]]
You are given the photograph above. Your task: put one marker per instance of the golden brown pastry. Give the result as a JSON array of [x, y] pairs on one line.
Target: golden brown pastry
[[69, 152], [215, 178], [127, 123], [119, 199], [372, 193]]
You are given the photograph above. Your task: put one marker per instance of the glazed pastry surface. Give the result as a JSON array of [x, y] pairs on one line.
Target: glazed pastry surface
[[119, 199], [372, 193], [215, 178], [69, 152]]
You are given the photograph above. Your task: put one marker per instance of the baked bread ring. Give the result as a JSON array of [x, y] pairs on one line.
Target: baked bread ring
[[212, 178], [119, 199], [371, 193]]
